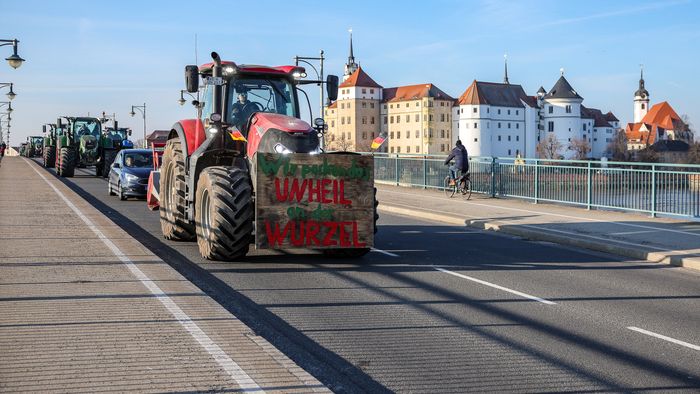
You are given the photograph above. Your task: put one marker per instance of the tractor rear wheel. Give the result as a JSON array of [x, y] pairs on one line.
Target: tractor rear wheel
[[50, 157], [224, 213], [173, 221], [67, 160]]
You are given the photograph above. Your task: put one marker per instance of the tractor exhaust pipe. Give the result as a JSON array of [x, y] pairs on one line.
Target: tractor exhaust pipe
[[218, 91]]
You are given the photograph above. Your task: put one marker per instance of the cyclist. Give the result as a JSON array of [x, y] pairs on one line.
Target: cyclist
[[459, 154]]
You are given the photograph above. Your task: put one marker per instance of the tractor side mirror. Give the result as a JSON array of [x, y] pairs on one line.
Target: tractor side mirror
[[192, 78], [332, 87]]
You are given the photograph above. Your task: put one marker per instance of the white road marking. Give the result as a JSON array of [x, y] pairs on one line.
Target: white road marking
[[495, 286], [665, 338], [633, 232], [471, 202], [245, 382], [384, 252]]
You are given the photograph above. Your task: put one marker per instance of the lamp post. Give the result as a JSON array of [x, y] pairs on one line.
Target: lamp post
[[14, 61], [195, 101], [11, 94], [9, 106], [142, 109], [319, 75], [9, 118]]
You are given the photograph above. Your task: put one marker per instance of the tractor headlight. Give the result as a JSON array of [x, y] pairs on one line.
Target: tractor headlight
[[315, 151], [279, 148], [212, 131]]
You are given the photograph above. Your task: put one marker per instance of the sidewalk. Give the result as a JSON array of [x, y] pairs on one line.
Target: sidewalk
[[658, 240], [84, 307]]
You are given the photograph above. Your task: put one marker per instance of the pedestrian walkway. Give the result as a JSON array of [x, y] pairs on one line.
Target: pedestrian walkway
[[659, 240], [84, 307]]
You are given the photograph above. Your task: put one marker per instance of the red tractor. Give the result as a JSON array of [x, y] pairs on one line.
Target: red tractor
[[249, 170]]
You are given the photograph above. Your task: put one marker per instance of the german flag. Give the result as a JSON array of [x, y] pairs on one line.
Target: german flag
[[236, 135], [377, 142]]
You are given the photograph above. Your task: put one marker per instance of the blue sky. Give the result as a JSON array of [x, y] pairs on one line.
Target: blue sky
[[106, 56]]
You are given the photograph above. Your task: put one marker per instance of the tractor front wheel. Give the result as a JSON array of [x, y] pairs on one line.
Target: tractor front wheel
[[50, 157], [67, 160], [173, 221], [224, 213]]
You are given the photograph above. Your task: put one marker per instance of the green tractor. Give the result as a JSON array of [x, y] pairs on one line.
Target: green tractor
[[77, 146], [112, 141], [49, 147], [34, 146]]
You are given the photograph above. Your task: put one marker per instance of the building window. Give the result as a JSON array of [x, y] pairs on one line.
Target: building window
[[509, 125], [551, 109], [391, 105], [442, 117], [430, 117], [332, 123], [442, 103], [408, 118], [398, 135], [430, 133], [417, 118], [391, 119], [509, 114], [584, 127], [371, 120], [384, 106], [499, 111], [517, 112], [442, 133], [517, 125], [474, 110], [371, 105], [461, 110], [364, 135], [499, 125], [488, 110], [509, 139], [398, 118], [342, 105], [442, 147], [364, 104], [568, 109], [476, 125], [407, 104], [476, 140], [398, 149], [342, 120], [417, 104], [417, 134], [550, 126], [371, 91], [517, 138], [408, 149], [364, 90], [642, 105], [391, 135], [384, 119], [508, 152], [392, 149], [595, 139], [499, 137], [364, 120]]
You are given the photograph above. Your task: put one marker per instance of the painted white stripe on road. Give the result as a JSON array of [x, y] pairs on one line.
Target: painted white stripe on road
[[665, 338], [633, 232], [495, 286], [245, 382], [384, 252]]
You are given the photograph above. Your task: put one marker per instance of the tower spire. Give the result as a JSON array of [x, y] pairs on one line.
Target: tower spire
[[351, 58], [350, 66], [505, 76]]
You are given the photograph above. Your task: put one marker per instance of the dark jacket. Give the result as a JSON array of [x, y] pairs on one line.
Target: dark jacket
[[459, 153]]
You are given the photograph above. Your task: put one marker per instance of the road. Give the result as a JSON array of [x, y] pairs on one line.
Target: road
[[440, 308]]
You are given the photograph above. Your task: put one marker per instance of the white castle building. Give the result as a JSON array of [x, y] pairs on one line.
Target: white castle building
[[500, 119]]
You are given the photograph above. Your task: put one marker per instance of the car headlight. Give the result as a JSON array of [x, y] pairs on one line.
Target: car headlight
[[131, 178], [279, 148]]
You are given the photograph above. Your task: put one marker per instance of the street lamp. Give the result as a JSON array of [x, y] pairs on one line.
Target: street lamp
[[9, 106], [11, 95], [142, 109], [182, 100], [14, 61]]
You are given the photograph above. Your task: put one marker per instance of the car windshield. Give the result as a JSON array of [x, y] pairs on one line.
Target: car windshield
[[86, 127], [138, 160], [249, 95]]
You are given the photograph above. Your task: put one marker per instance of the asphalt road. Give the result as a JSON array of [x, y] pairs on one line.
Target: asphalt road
[[440, 308]]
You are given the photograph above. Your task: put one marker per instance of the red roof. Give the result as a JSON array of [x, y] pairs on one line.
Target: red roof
[[660, 116], [359, 78], [414, 92], [333, 105]]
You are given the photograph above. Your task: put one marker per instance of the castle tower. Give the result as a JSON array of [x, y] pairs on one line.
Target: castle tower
[[350, 66], [641, 100]]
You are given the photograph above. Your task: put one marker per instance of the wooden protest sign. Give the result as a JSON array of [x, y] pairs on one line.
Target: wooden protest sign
[[323, 201]]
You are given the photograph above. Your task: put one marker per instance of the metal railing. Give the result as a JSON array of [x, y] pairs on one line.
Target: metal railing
[[667, 189]]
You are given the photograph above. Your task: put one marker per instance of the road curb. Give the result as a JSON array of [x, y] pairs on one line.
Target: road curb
[[673, 257]]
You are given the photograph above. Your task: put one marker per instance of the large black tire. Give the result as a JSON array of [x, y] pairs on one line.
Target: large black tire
[[110, 154], [173, 221], [50, 157], [67, 160], [224, 213]]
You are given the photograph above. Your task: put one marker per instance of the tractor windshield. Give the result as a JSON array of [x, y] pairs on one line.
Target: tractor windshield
[[138, 160], [38, 140], [249, 95], [86, 127], [121, 133]]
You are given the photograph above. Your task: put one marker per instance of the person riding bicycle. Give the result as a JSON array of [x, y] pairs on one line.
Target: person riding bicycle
[[459, 154]]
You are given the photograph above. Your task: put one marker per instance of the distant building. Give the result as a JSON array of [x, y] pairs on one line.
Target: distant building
[[655, 124]]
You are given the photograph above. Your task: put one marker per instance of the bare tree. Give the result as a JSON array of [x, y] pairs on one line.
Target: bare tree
[[549, 147], [580, 147], [648, 155], [618, 146], [341, 144], [693, 153]]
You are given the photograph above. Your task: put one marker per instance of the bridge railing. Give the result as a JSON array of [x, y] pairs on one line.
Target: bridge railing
[[653, 188]]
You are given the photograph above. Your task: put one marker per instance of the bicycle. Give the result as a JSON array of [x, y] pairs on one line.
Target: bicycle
[[463, 185]]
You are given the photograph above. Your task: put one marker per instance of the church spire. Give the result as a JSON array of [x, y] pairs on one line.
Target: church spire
[[505, 76], [641, 92], [350, 66]]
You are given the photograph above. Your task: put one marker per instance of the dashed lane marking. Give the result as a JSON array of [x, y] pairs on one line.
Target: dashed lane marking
[[665, 338], [495, 286], [384, 252], [245, 382]]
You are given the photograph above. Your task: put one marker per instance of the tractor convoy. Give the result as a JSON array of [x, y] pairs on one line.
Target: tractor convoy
[[247, 171]]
